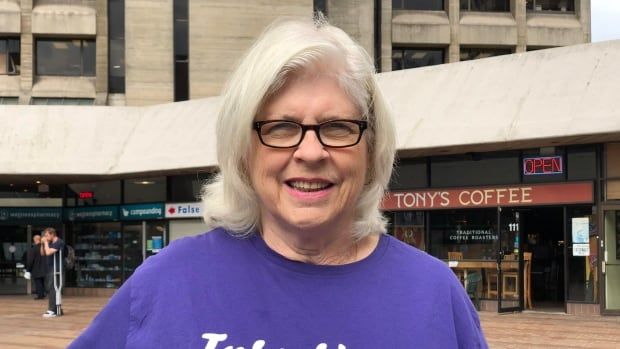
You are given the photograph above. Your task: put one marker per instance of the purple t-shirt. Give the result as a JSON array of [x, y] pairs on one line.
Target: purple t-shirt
[[215, 291]]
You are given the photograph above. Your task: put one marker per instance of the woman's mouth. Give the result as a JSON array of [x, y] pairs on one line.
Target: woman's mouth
[[306, 186]]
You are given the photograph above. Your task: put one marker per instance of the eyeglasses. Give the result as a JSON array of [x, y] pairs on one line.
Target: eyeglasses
[[289, 134]]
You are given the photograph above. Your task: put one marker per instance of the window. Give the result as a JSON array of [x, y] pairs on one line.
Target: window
[[181, 50], [96, 193], [9, 56], [486, 5], [409, 174], [409, 227], [116, 34], [145, 190], [544, 152], [9, 100], [551, 5], [186, 188], [65, 57], [405, 58], [470, 53], [320, 6], [581, 163], [475, 169], [61, 101], [426, 5], [447, 228], [582, 270]]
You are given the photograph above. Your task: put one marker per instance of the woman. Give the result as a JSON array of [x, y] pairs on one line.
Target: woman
[[297, 257]]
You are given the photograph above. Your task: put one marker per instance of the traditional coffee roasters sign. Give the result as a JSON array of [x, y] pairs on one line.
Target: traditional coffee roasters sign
[[515, 195]]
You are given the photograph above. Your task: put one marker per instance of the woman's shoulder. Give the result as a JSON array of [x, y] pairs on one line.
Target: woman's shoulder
[[210, 248], [409, 260]]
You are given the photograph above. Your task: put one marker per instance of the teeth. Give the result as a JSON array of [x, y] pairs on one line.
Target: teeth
[[308, 186]]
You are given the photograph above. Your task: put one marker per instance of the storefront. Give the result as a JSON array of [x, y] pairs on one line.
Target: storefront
[[531, 245], [17, 226], [112, 241]]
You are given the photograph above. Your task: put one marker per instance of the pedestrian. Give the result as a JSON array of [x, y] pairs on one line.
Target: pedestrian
[[52, 245], [36, 265], [298, 255]]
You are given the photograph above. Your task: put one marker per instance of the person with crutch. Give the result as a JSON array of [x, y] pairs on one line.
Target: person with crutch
[[53, 247]]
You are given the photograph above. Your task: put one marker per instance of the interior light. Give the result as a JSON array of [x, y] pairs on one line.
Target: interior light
[[144, 182], [38, 182]]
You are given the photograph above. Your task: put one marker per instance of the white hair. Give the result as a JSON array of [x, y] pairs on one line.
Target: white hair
[[287, 47]]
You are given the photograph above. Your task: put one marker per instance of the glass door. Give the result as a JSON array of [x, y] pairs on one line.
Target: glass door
[[14, 241], [509, 261], [140, 241], [132, 248], [611, 261], [155, 237]]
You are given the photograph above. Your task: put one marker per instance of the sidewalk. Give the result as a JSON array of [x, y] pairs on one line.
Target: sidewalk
[[21, 326]]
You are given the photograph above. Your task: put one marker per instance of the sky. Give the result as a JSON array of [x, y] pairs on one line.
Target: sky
[[605, 20]]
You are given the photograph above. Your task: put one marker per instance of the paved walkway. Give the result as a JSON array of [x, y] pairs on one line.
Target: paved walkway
[[21, 326]]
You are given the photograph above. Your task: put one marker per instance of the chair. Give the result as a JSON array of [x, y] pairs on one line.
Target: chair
[[492, 283], [510, 280], [473, 280], [513, 291], [527, 287], [457, 256]]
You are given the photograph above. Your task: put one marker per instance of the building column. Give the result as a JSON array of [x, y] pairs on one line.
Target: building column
[[101, 60], [583, 12], [454, 15], [26, 52], [386, 35], [519, 11]]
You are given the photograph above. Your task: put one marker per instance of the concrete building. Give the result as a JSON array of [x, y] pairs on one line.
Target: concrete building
[[134, 53], [533, 136]]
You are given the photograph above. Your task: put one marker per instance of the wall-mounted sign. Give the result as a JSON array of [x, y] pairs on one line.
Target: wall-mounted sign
[[580, 230], [542, 165], [17, 215], [514, 195], [142, 211], [96, 213], [581, 250], [184, 210], [86, 195]]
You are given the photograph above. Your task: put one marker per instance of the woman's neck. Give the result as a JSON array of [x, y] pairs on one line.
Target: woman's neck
[[318, 247]]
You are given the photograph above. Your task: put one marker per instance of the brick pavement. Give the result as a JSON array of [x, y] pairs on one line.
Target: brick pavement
[[21, 326]]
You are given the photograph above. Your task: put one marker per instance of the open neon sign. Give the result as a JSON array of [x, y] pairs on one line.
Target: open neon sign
[[86, 195], [542, 165]]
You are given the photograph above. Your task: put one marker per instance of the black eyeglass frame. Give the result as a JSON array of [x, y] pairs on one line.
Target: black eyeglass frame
[[361, 124]]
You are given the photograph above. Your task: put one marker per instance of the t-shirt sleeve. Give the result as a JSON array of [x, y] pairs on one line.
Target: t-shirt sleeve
[[110, 327], [466, 320]]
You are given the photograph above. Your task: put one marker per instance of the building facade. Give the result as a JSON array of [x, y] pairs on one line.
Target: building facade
[[519, 194], [117, 52]]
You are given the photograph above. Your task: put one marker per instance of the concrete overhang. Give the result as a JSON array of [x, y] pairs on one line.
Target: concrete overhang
[[557, 96], [64, 19], [548, 97], [10, 17]]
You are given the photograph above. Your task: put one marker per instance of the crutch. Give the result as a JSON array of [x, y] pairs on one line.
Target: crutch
[[58, 283]]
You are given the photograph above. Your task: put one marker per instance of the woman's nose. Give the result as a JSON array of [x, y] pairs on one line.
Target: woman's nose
[[310, 148]]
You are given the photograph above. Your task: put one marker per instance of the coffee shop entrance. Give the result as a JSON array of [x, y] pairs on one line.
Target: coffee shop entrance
[[512, 247]]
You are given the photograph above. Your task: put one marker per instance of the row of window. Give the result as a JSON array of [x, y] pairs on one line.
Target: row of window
[[485, 5], [406, 58], [494, 168], [63, 57], [180, 188]]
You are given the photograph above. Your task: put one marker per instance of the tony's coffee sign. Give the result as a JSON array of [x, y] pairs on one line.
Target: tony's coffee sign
[[512, 195]]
